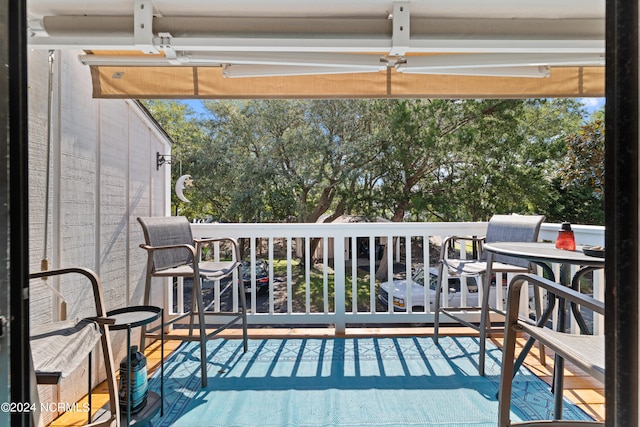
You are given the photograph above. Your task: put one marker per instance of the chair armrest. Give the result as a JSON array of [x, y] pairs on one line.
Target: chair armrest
[[102, 320], [185, 246], [447, 241], [201, 242], [89, 274], [560, 291], [215, 239], [48, 378]]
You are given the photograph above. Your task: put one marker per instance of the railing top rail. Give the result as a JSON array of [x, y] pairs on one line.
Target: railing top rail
[[341, 229], [585, 234]]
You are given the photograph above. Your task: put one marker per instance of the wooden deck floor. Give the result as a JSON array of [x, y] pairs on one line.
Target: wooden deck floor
[[581, 389]]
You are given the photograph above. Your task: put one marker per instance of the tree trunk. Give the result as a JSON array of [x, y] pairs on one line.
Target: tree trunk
[[382, 272], [315, 242]]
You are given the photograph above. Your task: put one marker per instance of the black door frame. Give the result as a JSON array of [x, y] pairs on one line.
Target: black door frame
[[621, 213], [14, 205]]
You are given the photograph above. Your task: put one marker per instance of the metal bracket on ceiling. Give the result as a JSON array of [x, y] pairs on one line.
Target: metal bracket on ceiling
[[401, 28], [36, 28], [143, 26], [163, 43]]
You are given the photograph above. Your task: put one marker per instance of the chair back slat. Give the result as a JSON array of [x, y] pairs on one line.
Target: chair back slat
[[513, 228], [165, 231]]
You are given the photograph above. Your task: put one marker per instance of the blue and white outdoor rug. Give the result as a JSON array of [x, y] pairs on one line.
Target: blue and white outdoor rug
[[345, 382]]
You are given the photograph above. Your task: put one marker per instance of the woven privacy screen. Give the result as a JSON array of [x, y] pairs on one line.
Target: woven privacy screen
[[183, 82]]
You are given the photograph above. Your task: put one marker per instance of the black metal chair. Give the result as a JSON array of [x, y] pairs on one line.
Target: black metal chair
[[173, 252]]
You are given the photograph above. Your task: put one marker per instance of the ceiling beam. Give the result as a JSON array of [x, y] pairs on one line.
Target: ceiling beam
[[143, 26], [515, 71], [247, 44], [401, 36], [329, 60], [416, 64], [483, 60], [365, 35]]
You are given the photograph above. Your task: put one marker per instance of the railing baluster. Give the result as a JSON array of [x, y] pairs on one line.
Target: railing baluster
[[216, 283], [407, 272], [463, 280], [307, 274], [390, 271], [598, 293], [354, 275], [180, 290], [289, 277], [426, 265], [426, 296], [271, 278], [325, 274], [372, 273], [339, 284], [253, 273], [500, 297]]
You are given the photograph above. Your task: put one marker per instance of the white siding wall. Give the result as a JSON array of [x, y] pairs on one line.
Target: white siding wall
[[103, 175]]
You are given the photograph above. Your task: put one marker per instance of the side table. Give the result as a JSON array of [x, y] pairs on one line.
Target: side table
[[129, 318]]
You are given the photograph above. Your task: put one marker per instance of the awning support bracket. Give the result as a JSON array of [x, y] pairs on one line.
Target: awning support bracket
[[400, 38], [143, 26], [163, 42]]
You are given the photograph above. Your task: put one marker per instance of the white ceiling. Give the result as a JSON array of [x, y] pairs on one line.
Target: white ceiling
[[506, 9], [206, 32]]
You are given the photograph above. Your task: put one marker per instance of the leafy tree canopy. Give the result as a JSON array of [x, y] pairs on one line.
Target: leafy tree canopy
[[422, 159]]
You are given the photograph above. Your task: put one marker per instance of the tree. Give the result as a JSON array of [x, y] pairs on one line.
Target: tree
[[502, 162], [468, 159], [299, 155], [574, 204], [302, 160], [177, 119], [584, 165], [579, 184]]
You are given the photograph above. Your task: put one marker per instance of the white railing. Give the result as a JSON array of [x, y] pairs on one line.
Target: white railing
[[293, 300]]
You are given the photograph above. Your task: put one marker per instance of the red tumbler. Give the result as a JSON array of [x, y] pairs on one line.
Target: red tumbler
[[566, 239]]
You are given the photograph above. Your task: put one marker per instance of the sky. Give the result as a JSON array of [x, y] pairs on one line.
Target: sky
[[593, 104]]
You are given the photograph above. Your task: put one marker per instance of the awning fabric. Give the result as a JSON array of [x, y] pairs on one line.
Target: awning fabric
[[184, 82]]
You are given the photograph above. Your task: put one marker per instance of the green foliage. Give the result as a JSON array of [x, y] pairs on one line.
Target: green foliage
[[575, 204], [462, 160], [293, 157], [433, 160], [584, 165], [177, 120], [578, 186]]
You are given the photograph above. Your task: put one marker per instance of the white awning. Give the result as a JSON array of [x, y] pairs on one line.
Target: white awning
[[329, 49]]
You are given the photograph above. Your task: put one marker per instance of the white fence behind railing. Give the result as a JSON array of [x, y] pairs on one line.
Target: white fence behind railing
[[290, 301]]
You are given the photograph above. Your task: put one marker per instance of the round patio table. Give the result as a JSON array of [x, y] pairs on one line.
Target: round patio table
[[544, 253]]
